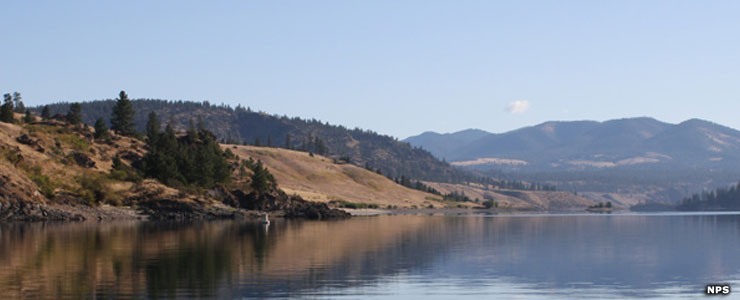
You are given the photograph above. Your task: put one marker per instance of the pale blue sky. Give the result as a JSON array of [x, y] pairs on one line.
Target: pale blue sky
[[396, 67]]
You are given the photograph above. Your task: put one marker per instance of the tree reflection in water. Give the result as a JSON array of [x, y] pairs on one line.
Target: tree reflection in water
[[627, 255]]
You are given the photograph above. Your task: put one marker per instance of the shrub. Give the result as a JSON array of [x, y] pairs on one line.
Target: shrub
[[45, 184], [75, 142], [127, 174], [94, 189], [352, 205], [489, 203]]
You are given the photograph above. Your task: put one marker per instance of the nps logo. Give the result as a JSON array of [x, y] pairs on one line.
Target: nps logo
[[717, 289]]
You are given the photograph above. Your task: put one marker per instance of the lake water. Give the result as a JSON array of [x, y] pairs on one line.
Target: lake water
[[384, 257]]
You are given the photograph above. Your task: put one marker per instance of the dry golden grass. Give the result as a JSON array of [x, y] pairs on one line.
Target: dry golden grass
[[315, 178], [517, 199], [319, 179], [49, 164]]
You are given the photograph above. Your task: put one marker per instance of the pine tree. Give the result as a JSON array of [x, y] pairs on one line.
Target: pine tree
[[163, 159], [262, 180], [152, 128], [17, 99], [117, 163], [74, 116], [101, 130], [122, 119], [28, 118], [201, 126], [319, 146], [287, 141], [45, 112], [195, 160], [269, 141], [6, 111]]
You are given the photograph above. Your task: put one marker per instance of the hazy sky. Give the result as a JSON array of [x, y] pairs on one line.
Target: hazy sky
[[396, 67]]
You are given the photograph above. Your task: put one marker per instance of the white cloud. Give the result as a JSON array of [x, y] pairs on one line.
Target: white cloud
[[518, 107]]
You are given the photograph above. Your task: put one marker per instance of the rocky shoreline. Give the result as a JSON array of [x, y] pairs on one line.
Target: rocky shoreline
[[150, 200], [155, 211]]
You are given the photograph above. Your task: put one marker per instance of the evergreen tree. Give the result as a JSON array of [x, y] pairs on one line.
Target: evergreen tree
[[17, 99], [101, 130], [161, 160], [117, 163], [74, 116], [319, 146], [45, 112], [6, 111], [201, 125], [28, 118], [152, 127], [122, 119], [191, 134], [262, 180], [257, 142], [287, 141], [195, 159], [269, 141]]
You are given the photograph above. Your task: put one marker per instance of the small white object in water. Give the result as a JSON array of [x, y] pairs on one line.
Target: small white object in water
[[266, 220]]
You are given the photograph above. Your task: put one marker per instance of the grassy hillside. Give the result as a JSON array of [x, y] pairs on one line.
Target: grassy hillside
[[59, 159], [319, 178], [52, 170], [517, 199], [242, 125]]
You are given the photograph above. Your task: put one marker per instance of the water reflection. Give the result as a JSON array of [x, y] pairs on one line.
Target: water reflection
[[382, 257]]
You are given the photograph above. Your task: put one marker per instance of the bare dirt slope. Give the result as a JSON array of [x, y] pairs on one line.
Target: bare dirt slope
[[320, 179]]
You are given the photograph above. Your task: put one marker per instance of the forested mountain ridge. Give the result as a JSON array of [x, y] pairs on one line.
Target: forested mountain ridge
[[241, 125]]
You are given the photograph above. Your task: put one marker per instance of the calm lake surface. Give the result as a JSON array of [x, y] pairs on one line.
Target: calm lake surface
[[384, 257]]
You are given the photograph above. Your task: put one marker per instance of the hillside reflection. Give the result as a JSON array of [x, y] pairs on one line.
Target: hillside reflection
[[628, 255]]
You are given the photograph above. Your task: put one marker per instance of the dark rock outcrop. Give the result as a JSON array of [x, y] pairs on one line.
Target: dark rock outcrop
[[129, 155], [83, 160], [26, 140], [27, 211], [314, 211], [292, 206], [159, 202], [173, 210]]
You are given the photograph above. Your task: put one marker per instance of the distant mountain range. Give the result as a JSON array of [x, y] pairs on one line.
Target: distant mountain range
[[579, 145], [643, 158]]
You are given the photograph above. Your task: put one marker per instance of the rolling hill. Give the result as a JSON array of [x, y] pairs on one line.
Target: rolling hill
[[53, 170], [243, 126], [321, 179]]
